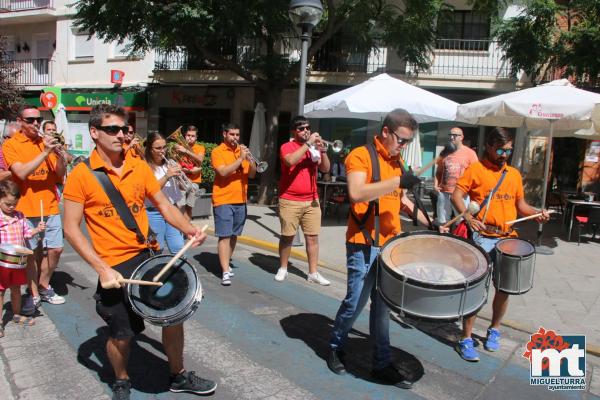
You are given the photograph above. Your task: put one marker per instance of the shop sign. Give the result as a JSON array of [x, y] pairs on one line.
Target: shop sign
[[86, 100], [181, 97]]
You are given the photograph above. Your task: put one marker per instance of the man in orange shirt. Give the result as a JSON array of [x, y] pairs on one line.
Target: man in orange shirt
[[37, 170], [363, 245], [193, 171], [132, 145], [231, 161], [478, 182], [115, 252]]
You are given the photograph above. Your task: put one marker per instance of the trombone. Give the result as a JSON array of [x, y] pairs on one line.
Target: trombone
[[336, 145], [261, 166]]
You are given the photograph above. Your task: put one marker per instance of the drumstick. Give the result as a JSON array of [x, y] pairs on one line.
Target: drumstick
[[176, 257], [448, 149], [42, 210], [530, 217], [472, 209], [139, 282]]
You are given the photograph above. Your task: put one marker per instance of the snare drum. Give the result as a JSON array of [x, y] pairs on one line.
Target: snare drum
[[514, 267], [431, 276], [13, 256], [173, 302]]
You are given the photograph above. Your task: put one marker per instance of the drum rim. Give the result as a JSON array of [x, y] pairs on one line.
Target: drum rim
[[4, 246], [515, 238], [427, 284], [180, 315]]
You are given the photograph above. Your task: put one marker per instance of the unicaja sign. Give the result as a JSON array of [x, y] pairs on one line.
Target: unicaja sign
[[556, 361]]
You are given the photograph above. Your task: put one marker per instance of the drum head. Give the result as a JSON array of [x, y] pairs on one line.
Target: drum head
[[179, 293], [515, 247], [433, 259]]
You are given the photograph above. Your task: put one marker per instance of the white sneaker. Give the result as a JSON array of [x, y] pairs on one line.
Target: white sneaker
[[318, 278], [281, 274], [226, 279]]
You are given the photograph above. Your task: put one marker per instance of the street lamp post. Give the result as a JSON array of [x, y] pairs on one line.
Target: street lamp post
[[305, 15]]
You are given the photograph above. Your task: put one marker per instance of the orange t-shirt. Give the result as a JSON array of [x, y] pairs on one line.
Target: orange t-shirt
[[478, 181], [197, 177], [40, 186], [451, 167], [389, 204], [131, 153], [111, 239], [231, 189]]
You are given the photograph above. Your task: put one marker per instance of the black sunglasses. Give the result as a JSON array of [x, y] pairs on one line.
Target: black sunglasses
[[113, 129], [31, 120], [401, 141], [303, 128]]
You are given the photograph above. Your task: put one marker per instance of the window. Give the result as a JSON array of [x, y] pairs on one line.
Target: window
[[463, 30], [9, 48], [83, 48], [121, 50]]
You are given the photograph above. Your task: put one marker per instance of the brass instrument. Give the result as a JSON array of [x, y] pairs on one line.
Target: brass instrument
[[184, 182], [138, 148], [261, 166], [58, 136], [336, 145], [176, 138]]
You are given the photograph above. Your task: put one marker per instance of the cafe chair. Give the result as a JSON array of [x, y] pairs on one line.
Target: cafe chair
[[592, 219]]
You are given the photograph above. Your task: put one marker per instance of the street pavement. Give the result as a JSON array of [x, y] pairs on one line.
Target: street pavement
[[260, 339]]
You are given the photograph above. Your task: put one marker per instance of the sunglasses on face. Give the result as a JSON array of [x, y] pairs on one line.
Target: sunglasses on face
[[113, 129], [500, 152], [454, 135], [31, 120], [303, 128], [401, 141]]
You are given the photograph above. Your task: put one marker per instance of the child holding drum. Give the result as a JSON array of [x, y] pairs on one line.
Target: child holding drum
[[13, 253]]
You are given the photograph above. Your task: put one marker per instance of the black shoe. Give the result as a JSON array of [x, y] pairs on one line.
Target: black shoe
[[335, 362], [190, 383], [391, 376], [121, 389]]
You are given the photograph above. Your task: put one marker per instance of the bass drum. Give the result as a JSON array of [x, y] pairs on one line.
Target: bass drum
[[173, 302], [432, 276]]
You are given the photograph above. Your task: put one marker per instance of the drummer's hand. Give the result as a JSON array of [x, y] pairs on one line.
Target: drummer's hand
[[443, 229], [545, 217], [41, 226], [198, 235], [475, 224], [110, 279]]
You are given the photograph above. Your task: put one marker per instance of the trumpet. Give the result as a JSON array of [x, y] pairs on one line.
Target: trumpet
[[58, 136], [261, 166], [185, 182], [336, 145]]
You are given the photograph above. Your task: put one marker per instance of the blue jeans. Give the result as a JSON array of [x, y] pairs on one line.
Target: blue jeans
[[361, 263], [165, 232], [488, 244]]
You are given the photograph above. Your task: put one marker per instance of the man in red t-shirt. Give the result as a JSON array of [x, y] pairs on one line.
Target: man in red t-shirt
[[298, 198]]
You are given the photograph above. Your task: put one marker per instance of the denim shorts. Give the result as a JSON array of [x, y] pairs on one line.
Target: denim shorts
[[229, 219], [52, 237]]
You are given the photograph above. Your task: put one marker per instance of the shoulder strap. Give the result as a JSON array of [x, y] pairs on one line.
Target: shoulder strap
[[489, 198], [117, 200], [418, 202], [373, 204]]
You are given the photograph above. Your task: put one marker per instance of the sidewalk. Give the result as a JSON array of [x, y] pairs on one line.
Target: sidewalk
[[565, 296]]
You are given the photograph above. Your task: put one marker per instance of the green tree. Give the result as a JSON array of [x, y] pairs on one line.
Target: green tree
[[10, 94], [208, 28], [554, 36]]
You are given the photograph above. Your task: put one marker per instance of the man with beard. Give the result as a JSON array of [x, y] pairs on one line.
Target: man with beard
[[489, 225]]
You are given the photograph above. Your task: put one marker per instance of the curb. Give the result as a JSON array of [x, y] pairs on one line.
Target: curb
[[301, 255]]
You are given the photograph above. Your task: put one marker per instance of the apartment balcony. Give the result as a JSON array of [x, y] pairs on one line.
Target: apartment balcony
[[33, 72], [26, 11], [465, 59]]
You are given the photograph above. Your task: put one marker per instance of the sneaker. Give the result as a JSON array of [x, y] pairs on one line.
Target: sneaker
[[391, 376], [30, 305], [318, 278], [226, 279], [231, 272], [49, 296], [121, 389], [466, 349], [189, 382], [281, 274], [492, 341], [335, 362]]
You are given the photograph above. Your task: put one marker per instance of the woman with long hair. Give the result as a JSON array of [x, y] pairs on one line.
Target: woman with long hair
[[155, 150]]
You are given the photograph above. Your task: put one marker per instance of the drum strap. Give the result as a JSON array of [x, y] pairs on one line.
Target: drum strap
[[373, 204], [119, 203]]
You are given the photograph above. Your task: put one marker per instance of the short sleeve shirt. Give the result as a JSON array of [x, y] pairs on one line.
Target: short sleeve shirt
[[199, 150], [231, 189], [38, 190], [298, 182], [453, 166], [111, 239]]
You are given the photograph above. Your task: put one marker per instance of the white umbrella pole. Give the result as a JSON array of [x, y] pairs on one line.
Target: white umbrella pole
[[539, 248]]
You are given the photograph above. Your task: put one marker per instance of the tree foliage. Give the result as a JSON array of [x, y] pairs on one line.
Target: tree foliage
[[563, 37], [10, 94]]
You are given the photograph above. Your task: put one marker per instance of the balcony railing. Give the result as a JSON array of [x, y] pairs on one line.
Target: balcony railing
[[466, 58], [33, 72], [24, 5]]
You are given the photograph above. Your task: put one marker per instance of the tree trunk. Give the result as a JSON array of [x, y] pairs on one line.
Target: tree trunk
[[270, 95]]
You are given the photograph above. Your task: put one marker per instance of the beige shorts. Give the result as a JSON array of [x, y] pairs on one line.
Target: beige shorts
[[299, 213]]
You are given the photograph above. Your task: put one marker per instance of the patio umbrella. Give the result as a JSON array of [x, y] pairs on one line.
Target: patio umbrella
[[412, 153], [374, 98], [259, 129], [62, 125], [557, 107]]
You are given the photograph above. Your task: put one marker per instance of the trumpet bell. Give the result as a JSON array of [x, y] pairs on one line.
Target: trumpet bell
[[262, 167], [337, 146]]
